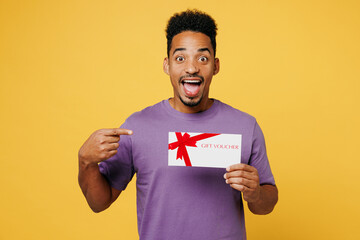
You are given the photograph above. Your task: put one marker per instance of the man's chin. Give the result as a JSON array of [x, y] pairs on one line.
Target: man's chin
[[190, 102]]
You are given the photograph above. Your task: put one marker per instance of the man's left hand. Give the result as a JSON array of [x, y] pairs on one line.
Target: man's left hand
[[245, 179]]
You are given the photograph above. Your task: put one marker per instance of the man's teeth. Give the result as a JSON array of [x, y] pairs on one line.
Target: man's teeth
[[191, 81]]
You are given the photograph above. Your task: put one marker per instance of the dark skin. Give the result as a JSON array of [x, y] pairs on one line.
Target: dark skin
[[101, 145], [261, 199], [191, 57], [191, 54]]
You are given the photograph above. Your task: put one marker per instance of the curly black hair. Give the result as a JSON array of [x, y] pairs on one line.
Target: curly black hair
[[191, 20]]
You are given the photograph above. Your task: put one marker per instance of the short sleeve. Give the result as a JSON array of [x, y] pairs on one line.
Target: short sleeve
[[119, 169], [259, 159]]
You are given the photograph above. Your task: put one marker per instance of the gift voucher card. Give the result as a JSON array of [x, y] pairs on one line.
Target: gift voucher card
[[204, 149]]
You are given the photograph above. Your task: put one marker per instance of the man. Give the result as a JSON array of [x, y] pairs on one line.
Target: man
[[181, 202]]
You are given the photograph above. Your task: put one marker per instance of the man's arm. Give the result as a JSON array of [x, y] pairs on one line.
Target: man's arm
[[96, 189], [261, 199], [267, 200], [100, 146]]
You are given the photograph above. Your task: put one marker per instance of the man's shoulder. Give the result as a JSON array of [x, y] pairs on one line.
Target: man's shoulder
[[146, 113], [226, 110]]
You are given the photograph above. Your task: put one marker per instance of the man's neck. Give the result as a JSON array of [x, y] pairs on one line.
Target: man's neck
[[202, 106]]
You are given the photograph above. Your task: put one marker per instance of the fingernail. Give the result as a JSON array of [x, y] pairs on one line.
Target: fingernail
[[228, 169], [225, 175]]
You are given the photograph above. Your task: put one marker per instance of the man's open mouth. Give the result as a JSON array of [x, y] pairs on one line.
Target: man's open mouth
[[191, 86]]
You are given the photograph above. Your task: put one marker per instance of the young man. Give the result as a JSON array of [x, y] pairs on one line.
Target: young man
[[181, 202]]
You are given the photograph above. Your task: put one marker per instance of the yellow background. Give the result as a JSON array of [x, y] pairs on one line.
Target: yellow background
[[68, 68]]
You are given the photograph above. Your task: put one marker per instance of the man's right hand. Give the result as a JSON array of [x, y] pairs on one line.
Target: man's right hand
[[101, 145]]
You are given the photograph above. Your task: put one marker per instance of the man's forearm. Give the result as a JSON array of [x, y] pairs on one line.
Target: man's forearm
[[94, 186], [101, 145], [267, 201]]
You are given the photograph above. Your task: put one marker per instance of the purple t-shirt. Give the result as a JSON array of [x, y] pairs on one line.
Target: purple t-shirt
[[185, 202]]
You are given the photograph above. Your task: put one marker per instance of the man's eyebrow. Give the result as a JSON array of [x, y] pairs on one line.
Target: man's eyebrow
[[199, 50], [204, 49], [178, 49]]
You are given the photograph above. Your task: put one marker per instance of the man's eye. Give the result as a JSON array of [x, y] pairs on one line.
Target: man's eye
[[179, 59], [203, 59]]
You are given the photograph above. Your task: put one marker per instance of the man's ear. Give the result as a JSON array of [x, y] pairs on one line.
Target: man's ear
[[216, 66], [166, 66]]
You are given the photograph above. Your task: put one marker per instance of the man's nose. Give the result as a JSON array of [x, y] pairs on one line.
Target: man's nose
[[191, 67]]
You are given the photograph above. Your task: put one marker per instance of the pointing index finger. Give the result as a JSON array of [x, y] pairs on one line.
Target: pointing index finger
[[119, 131]]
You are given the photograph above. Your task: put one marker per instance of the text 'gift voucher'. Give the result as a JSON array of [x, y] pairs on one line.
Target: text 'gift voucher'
[[204, 149]]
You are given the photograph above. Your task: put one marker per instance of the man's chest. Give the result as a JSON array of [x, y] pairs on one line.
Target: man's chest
[[152, 150]]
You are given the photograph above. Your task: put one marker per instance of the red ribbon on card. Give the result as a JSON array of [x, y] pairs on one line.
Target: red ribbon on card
[[186, 140]]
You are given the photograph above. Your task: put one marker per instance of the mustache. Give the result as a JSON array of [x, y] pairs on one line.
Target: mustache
[[191, 76]]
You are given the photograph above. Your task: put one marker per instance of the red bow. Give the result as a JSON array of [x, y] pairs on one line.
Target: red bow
[[186, 140]]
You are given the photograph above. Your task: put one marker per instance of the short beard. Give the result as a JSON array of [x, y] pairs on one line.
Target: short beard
[[191, 102]]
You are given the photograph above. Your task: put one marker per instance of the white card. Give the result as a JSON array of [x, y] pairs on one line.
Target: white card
[[204, 149]]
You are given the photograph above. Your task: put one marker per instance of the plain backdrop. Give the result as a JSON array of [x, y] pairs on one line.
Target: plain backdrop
[[68, 68]]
